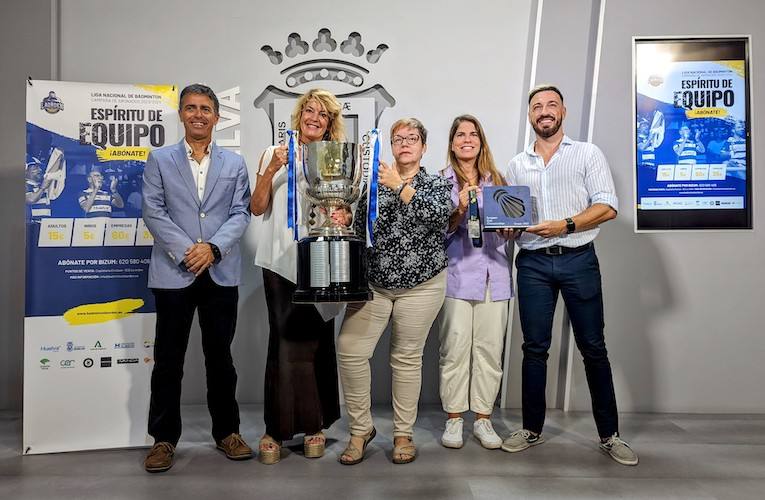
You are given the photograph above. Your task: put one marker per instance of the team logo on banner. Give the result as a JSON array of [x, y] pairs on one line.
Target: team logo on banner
[[52, 104], [344, 67]]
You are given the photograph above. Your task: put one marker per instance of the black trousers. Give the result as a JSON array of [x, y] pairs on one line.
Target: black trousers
[[217, 307], [301, 390]]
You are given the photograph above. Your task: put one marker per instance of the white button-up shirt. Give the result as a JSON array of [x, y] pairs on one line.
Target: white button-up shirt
[[199, 169], [576, 177]]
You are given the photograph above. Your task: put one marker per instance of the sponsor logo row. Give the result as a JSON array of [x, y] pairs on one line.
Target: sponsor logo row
[[98, 346], [105, 362]]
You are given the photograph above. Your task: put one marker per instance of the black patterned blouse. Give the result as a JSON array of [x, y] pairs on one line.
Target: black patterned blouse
[[409, 240]]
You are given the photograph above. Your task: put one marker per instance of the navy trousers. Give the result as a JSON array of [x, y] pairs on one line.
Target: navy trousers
[[576, 276]]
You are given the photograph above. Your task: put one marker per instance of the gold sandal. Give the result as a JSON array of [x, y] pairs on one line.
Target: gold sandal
[[314, 450], [356, 455], [267, 455], [408, 450]]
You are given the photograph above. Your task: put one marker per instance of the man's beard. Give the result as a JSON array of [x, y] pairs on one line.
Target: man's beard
[[544, 133]]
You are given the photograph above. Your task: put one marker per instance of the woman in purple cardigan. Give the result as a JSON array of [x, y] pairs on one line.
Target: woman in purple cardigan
[[473, 319]]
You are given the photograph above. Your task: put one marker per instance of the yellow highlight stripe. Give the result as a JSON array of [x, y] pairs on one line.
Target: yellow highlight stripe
[[136, 153], [89, 314], [706, 113], [735, 65], [169, 94]]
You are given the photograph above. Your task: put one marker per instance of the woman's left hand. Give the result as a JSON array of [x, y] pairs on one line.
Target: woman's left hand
[[389, 176], [509, 234]]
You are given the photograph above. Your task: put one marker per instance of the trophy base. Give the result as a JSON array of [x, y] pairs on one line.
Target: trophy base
[[332, 269]]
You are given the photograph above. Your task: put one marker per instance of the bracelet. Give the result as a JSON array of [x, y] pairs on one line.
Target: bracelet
[[400, 188]]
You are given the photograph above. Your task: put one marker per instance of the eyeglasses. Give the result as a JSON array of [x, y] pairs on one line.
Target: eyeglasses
[[410, 140]]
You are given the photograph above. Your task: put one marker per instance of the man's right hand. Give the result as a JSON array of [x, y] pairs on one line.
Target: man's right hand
[[198, 257]]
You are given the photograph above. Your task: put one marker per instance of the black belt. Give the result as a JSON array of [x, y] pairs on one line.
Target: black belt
[[559, 250]]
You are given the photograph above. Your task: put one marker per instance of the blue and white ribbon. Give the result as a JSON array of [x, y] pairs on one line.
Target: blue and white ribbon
[[292, 183], [372, 183]]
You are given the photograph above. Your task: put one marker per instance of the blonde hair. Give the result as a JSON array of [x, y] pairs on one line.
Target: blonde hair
[[336, 126], [410, 123], [484, 161]]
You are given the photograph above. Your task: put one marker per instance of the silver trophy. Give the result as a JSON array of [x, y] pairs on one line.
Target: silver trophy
[[332, 259], [333, 174]]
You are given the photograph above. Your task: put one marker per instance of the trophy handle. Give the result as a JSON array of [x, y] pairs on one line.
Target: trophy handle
[[359, 173]]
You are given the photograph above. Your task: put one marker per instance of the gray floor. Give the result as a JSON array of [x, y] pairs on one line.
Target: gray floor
[[681, 456]]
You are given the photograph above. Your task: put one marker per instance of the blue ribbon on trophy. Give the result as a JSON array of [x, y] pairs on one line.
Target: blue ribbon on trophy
[[373, 184], [292, 183]]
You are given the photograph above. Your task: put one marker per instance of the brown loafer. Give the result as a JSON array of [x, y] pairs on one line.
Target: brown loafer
[[160, 457], [235, 447]]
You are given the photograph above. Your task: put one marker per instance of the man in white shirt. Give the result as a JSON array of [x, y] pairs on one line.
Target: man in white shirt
[[574, 193]]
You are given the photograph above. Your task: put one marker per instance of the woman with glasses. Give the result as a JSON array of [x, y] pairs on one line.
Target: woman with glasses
[[301, 392], [473, 320], [407, 274]]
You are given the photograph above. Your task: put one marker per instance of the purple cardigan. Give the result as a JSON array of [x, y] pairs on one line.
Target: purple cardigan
[[469, 266]]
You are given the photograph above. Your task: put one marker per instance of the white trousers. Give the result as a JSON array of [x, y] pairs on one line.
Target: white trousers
[[470, 366]]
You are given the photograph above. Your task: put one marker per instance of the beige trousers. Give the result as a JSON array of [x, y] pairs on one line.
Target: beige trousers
[[470, 365], [412, 312]]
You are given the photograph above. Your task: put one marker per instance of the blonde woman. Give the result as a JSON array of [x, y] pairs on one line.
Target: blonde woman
[[301, 391], [473, 320], [407, 275]]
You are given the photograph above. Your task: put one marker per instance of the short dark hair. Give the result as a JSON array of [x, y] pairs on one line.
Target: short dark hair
[[198, 88], [543, 88]]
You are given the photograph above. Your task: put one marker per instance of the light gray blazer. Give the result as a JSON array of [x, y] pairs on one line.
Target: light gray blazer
[[177, 219]]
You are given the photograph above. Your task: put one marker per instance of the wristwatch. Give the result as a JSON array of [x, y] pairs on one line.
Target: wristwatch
[[570, 225], [400, 188], [215, 251]]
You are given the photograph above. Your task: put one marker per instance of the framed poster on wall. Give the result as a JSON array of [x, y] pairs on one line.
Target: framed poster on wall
[[692, 133]]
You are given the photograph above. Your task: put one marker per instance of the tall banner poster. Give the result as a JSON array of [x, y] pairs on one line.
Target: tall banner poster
[[89, 316], [692, 136]]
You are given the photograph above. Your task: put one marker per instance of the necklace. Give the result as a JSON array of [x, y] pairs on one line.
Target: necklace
[[472, 180]]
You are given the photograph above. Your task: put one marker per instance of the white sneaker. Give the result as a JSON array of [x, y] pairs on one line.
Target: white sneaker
[[484, 431], [452, 437]]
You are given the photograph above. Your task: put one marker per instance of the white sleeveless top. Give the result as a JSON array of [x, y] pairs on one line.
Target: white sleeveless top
[[277, 249]]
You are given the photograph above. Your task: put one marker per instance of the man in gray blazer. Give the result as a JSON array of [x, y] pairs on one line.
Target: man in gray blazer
[[196, 199]]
